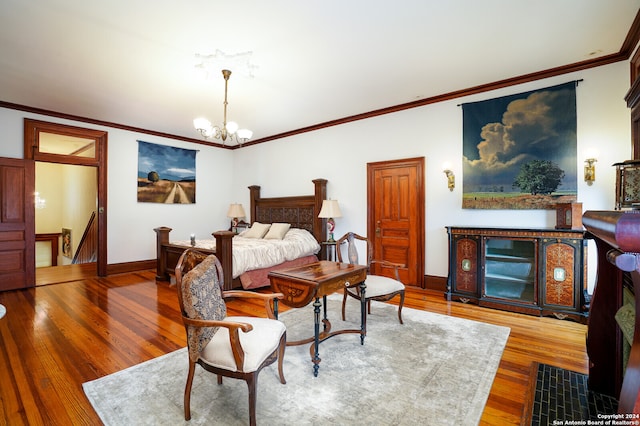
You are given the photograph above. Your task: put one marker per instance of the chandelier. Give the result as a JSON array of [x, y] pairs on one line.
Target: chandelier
[[228, 130]]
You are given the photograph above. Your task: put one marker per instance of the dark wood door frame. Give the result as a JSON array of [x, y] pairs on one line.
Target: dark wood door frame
[[32, 130]]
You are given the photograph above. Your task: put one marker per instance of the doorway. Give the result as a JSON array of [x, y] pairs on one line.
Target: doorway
[[396, 218], [65, 204], [77, 159]]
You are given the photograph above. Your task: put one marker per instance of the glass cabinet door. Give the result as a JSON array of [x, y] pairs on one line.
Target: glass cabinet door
[[510, 269]]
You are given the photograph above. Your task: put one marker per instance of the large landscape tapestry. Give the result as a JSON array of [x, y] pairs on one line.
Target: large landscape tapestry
[[166, 174], [519, 151]]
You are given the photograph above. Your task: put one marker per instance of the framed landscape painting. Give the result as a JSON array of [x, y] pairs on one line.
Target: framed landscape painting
[[520, 151], [166, 174]]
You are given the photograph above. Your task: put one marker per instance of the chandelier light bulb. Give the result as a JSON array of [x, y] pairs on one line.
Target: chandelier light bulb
[[244, 134], [232, 127], [201, 123]]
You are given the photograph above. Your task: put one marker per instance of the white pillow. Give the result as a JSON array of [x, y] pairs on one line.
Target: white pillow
[[257, 230], [277, 231]]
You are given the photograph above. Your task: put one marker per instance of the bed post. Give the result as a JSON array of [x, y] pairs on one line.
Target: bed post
[[224, 254], [162, 237], [254, 195], [319, 224]]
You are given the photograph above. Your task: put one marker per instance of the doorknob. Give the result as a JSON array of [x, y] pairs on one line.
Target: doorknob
[[378, 228]]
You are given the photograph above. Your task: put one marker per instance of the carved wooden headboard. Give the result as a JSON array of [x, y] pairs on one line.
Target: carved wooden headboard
[[299, 211]]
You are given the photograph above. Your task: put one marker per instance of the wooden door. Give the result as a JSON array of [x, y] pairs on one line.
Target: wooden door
[[395, 192], [17, 233]]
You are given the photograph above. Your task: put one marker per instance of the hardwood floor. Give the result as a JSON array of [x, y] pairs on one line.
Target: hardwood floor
[[56, 337], [64, 273]]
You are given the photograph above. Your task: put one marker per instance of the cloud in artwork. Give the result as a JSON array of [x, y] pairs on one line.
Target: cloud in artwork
[[538, 126], [169, 162]]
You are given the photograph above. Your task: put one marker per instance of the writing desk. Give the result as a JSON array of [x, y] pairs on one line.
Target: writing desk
[[303, 284]]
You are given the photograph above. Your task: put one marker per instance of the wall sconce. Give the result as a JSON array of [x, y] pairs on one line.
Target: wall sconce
[[40, 203], [451, 178], [590, 170]]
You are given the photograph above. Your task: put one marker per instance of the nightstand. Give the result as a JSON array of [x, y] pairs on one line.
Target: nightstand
[[240, 226], [328, 250]]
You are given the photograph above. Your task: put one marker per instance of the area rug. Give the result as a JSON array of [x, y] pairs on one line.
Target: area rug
[[432, 370]]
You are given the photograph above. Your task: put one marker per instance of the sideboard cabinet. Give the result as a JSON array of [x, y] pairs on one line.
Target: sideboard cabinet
[[532, 271]]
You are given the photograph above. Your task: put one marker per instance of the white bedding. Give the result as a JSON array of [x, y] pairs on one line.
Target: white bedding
[[258, 253]]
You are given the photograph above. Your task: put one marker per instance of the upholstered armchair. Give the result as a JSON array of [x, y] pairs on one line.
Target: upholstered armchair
[[378, 287], [236, 347]]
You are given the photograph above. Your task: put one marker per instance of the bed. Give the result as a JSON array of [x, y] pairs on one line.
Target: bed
[[299, 211]]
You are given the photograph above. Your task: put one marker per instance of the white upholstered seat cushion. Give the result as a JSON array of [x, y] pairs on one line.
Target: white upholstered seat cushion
[[378, 285], [258, 344]]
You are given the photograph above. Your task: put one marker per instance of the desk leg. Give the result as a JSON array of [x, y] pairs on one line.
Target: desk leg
[[316, 336], [324, 317], [363, 312]]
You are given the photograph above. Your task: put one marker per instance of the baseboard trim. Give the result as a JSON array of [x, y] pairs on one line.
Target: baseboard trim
[[433, 282], [140, 265]]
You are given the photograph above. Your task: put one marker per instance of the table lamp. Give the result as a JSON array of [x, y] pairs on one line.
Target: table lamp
[[329, 210], [235, 212]]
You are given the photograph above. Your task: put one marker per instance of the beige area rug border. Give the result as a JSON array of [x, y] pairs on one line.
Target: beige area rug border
[[432, 370]]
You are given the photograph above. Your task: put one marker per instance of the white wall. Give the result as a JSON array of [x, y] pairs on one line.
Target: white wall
[[49, 183], [340, 154], [130, 224]]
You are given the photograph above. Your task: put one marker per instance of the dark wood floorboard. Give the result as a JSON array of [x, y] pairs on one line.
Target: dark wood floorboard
[[56, 337]]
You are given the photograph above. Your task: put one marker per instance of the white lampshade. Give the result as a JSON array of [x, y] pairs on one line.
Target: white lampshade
[[232, 127], [236, 210], [244, 134], [330, 208], [201, 123]]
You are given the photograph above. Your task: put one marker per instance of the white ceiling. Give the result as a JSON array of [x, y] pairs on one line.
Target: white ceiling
[[132, 62]]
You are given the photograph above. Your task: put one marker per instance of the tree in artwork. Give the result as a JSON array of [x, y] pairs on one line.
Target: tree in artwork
[[153, 177], [539, 177]]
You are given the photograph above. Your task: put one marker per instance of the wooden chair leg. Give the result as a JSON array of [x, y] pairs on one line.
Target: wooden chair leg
[[187, 391], [252, 383], [344, 304], [281, 348], [400, 307]]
